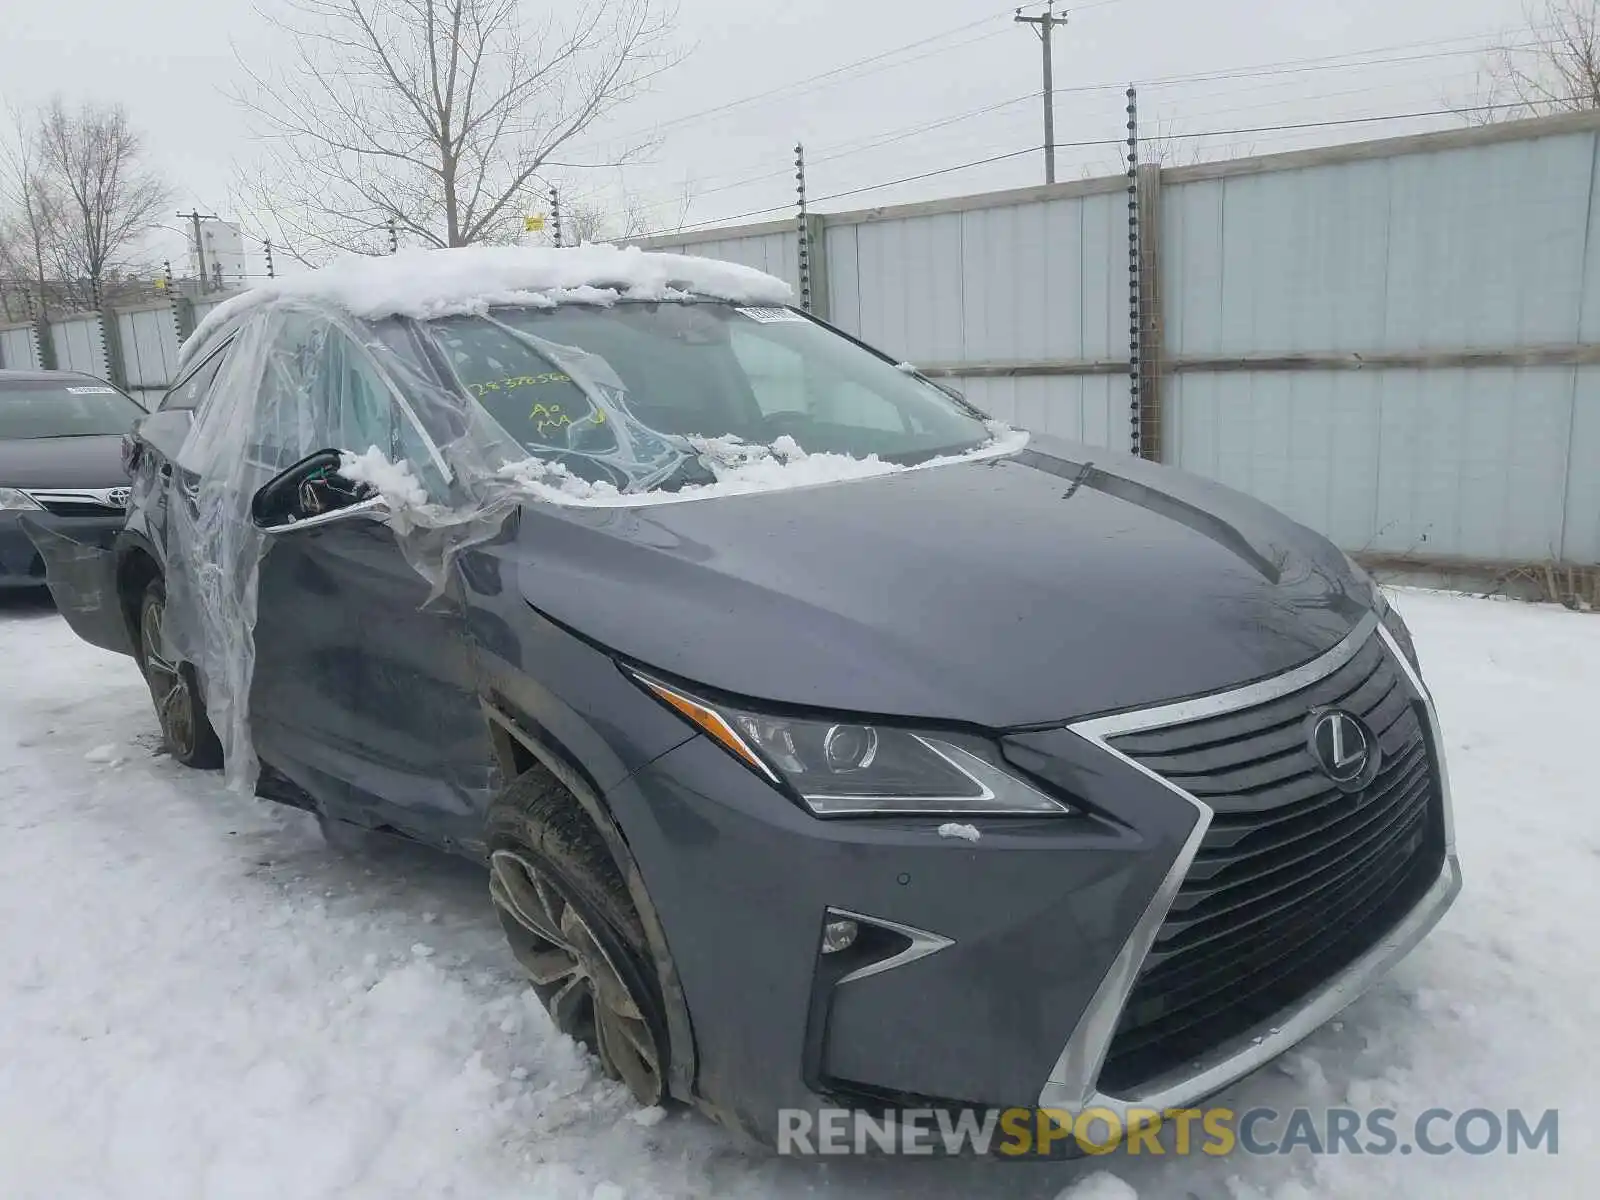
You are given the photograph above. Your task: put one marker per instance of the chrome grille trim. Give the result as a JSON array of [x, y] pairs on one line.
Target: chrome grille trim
[[1073, 1081]]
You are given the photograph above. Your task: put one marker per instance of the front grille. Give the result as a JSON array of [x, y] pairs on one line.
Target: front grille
[[1294, 880], [79, 508]]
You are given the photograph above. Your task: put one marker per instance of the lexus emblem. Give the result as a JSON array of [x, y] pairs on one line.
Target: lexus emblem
[[1343, 748], [120, 496]]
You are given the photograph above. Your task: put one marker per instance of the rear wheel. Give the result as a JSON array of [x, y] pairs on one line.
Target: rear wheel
[[566, 912], [174, 689]]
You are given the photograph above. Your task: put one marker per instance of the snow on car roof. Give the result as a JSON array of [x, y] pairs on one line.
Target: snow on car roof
[[469, 279]]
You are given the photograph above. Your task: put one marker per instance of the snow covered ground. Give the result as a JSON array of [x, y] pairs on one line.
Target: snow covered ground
[[199, 998]]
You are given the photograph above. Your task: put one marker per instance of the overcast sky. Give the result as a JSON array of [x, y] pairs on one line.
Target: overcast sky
[[1292, 62]]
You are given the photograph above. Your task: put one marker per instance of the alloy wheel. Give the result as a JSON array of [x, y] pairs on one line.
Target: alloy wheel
[[575, 974]]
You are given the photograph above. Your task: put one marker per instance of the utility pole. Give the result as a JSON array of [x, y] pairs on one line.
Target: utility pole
[[194, 219], [555, 217], [394, 236], [1045, 25]]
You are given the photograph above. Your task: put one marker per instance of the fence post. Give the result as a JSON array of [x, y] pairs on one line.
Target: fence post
[[111, 348], [1135, 324], [1152, 335], [44, 353]]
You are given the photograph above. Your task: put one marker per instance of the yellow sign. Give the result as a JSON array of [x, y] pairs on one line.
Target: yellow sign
[[533, 224], [161, 284]]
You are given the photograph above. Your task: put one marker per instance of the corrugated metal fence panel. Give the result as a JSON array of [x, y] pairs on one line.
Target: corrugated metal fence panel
[[1041, 280], [775, 253], [149, 347], [1037, 281], [1084, 408], [78, 345], [1456, 462], [1581, 526], [17, 348], [1479, 247]]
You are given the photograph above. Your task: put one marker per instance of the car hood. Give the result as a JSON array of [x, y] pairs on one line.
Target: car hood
[[62, 462], [1058, 582]]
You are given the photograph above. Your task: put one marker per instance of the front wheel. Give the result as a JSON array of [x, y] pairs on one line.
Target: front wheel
[[566, 912], [174, 690]]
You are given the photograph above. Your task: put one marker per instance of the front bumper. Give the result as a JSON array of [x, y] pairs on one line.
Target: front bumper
[[1033, 937], [21, 564]]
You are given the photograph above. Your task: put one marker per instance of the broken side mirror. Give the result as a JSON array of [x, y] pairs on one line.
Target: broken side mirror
[[313, 493]]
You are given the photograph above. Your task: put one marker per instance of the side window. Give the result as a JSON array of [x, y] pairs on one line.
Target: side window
[[362, 412], [191, 391], [359, 411]]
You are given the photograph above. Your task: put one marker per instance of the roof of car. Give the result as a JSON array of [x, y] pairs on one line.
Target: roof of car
[[10, 376], [470, 279]]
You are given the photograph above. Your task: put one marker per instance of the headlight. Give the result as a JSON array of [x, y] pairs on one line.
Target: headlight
[[12, 500], [841, 768]]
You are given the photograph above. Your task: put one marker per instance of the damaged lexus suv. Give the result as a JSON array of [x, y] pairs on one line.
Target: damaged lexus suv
[[825, 742]]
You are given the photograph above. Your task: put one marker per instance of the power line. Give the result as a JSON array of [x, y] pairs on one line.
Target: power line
[[1281, 127], [761, 212], [860, 146], [808, 84], [1349, 60]]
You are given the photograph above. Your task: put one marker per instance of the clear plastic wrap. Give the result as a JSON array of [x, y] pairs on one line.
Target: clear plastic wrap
[[303, 375]]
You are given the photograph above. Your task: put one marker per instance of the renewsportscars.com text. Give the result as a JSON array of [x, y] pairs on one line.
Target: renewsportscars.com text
[[1056, 1133]]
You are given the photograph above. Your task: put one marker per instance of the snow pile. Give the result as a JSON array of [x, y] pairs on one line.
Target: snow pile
[[967, 833], [470, 279], [393, 481], [740, 468]]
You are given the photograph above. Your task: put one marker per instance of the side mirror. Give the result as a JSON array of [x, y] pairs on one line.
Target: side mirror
[[313, 493]]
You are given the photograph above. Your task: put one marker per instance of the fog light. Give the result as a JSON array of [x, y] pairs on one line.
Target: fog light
[[839, 935]]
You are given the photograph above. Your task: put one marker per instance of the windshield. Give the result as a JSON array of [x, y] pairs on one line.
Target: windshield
[[610, 392], [72, 407]]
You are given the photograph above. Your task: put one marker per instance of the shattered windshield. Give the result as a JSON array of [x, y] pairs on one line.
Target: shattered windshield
[[611, 393]]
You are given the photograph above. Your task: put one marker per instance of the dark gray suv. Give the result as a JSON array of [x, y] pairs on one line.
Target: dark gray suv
[[824, 743]]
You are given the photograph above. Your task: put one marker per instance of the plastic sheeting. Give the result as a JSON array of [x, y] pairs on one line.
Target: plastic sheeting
[[299, 378], [302, 375]]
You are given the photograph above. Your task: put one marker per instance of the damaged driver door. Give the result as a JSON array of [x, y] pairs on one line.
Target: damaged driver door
[[364, 692]]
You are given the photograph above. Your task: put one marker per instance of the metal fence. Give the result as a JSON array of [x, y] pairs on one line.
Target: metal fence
[[1397, 342], [133, 346]]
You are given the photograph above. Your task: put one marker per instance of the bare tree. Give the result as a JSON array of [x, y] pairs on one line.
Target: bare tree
[[624, 219], [26, 210], [1553, 68], [442, 115], [96, 198]]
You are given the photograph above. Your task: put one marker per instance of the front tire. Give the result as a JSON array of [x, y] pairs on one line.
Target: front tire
[[566, 912], [174, 690]]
